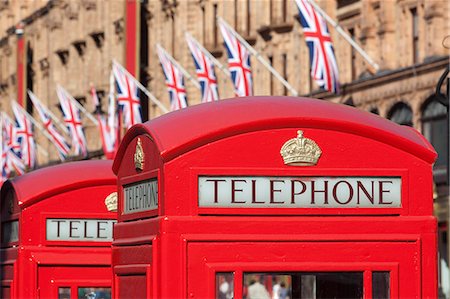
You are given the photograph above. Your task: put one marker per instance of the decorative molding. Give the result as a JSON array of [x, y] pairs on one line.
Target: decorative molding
[[63, 55], [13, 79], [80, 47], [119, 28], [7, 49], [71, 10], [51, 23], [89, 4], [169, 7], [3, 86], [44, 66], [384, 77], [251, 39], [282, 27], [98, 37], [264, 31], [433, 10], [217, 51]]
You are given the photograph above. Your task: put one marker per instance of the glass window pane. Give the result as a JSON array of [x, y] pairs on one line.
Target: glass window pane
[[225, 285], [380, 285], [434, 109], [401, 113], [64, 293], [258, 285], [94, 293], [315, 285]]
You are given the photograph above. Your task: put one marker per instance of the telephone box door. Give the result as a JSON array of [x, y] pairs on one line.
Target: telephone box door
[[74, 282], [304, 270]]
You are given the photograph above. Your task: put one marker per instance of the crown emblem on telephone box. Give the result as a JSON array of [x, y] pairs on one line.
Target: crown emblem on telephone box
[[300, 151], [139, 156]]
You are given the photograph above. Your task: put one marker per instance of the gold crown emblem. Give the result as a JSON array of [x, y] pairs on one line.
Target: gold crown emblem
[[300, 151], [111, 202], [139, 156]]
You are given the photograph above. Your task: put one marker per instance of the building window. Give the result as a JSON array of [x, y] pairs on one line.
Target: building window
[[271, 76], [236, 20], [215, 25], [284, 10], [343, 3], [271, 16], [249, 18], [144, 76], [434, 128], [203, 24], [284, 57], [353, 55], [29, 78], [415, 35], [401, 113]]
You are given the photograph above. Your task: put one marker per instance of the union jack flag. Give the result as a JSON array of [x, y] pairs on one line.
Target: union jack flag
[[205, 72], [73, 121], [58, 140], [108, 131], [238, 63], [24, 136], [127, 97], [9, 136], [174, 82], [321, 53], [11, 161]]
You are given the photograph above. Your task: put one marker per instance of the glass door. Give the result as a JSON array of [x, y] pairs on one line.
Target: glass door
[[307, 270], [75, 282]]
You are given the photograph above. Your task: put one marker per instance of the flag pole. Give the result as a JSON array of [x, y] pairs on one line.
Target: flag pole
[[142, 87], [195, 82], [209, 55], [60, 124], [79, 106], [259, 57], [345, 35]]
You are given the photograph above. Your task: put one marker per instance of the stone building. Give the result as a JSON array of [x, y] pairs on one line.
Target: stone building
[[72, 44]]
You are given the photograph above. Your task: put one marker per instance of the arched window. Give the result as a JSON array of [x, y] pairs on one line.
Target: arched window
[[401, 113], [349, 102], [434, 128], [374, 110]]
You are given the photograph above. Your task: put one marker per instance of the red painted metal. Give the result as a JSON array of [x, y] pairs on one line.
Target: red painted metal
[[132, 37], [75, 190], [187, 244]]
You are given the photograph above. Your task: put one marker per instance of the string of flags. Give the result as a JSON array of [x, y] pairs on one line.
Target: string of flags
[[18, 146]]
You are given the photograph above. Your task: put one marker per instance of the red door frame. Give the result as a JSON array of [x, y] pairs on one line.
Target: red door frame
[[298, 257], [49, 283]]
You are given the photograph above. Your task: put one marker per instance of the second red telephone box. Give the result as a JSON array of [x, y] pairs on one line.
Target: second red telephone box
[[56, 232], [272, 196]]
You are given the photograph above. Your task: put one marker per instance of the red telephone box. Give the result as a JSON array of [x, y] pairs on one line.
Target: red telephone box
[[256, 196], [56, 232]]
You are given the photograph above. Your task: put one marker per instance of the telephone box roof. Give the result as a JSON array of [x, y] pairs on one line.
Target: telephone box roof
[[181, 131], [45, 182]]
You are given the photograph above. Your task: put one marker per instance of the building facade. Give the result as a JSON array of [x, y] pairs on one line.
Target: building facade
[[73, 43]]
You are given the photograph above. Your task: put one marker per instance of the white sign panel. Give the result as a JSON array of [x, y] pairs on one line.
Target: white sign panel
[[10, 231], [93, 230], [299, 192], [140, 197]]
